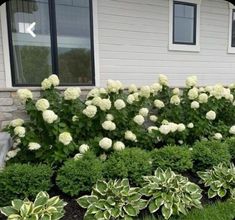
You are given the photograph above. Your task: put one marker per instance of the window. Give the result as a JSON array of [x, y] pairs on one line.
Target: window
[[184, 31], [231, 41], [184, 21], [62, 44]]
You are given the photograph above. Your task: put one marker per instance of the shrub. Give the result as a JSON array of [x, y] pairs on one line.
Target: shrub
[[42, 208], [173, 193], [130, 163], [220, 180], [112, 200], [231, 144], [79, 175], [178, 158], [23, 180], [207, 154]]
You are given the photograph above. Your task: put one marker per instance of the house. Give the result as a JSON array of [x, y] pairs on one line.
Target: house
[[90, 41]]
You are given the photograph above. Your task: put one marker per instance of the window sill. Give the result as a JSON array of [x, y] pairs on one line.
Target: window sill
[[231, 50], [188, 48]]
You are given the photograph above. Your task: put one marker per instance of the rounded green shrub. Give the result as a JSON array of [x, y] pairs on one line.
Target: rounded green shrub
[[18, 181], [131, 163], [231, 145], [207, 154], [79, 176], [178, 158]]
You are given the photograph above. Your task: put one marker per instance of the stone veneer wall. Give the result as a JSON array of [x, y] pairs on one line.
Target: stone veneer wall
[[11, 108]]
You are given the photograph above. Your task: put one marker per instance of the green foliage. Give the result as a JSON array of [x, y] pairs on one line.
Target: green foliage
[[78, 176], [231, 144], [23, 180], [220, 180], [207, 154], [43, 208], [172, 193], [178, 158], [112, 200], [130, 163]]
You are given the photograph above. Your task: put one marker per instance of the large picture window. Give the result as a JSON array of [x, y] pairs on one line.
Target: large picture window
[[233, 28], [61, 41]]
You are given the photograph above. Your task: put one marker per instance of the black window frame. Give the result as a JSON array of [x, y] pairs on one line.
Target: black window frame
[[195, 6], [54, 46], [233, 20]]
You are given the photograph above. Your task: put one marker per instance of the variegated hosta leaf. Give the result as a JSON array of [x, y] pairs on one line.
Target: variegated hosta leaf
[[85, 201]]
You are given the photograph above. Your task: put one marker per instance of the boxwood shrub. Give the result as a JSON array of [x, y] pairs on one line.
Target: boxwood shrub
[[18, 181], [78, 176], [231, 145], [207, 154], [178, 158], [131, 163]]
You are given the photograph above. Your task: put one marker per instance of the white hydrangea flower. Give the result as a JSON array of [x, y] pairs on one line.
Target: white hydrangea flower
[[24, 95], [155, 88], [88, 102], [72, 93], [34, 146], [217, 91], [46, 84], [211, 115], [180, 142], [145, 91], [153, 118], [129, 135], [195, 105], [119, 104], [49, 116], [114, 86], [96, 101], [132, 88], [93, 93], [173, 127], [193, 93], [42, 105], [152, 128], [165, 122], [190, 125], [164, 129], [102, 91], [103, 156], [163, 80], [105, 104], [105, 143], [139, 119], [191, 81], [201, 89], [65, 138], [118, 146], [16, 122], [54, 80], [90, 111], [203, 98], [208, 88], [176, 91], [78, 156], [144, 112], [108, 126], [130, 99], [75, 118], [232, 130], [181, 127], [175, 100], [19, 131], [12, 153], [109, 117], [83, 148], [159, 104], [218, 136]]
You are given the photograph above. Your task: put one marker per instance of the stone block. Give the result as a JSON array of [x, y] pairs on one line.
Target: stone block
[[6, 101], [5, 144]]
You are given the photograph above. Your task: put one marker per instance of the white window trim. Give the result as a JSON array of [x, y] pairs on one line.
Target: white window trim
[[6, 51], [230, 48], [183, 47]]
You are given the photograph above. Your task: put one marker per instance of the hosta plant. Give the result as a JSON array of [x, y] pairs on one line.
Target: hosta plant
[[43, 208], [170, 192], [220, 180], [112, 200]]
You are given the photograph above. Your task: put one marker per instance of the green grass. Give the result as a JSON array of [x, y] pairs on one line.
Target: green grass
[[216, 211]]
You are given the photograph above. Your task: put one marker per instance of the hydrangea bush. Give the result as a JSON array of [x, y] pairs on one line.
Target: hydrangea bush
[[111, 119]]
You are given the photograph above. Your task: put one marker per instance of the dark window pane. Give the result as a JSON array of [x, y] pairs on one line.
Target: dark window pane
[[184, 23], [31, 55], [74, 41], [233, 29]]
